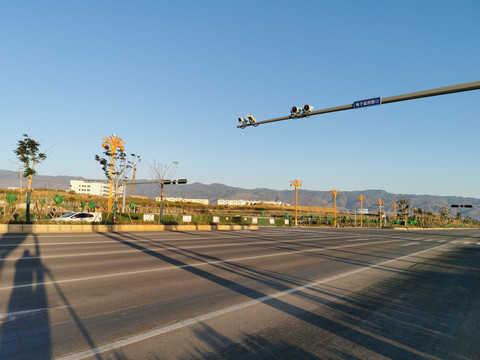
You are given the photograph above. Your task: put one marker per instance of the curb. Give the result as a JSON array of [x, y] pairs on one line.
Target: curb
[[54, 228], [436, 228]]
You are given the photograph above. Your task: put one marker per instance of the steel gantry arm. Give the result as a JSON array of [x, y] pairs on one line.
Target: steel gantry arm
[[475, 85]]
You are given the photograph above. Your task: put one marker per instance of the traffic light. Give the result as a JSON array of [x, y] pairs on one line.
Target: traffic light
[[462, 206]]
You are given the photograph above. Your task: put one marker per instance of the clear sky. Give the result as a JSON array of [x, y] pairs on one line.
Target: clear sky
[[172, 77]]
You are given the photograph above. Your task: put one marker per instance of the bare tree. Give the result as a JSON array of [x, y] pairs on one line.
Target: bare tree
[[163, 174], [443, 215], [403, 207]]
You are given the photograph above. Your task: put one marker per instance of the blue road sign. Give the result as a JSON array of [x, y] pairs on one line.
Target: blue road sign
[[367, 102]]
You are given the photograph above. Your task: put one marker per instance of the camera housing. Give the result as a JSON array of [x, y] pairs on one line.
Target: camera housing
[[307, 108]]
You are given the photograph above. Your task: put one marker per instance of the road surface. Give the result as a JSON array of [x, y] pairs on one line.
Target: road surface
[[269, 294]]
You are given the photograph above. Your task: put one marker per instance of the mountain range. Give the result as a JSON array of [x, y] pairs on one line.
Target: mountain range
[[346, 200]]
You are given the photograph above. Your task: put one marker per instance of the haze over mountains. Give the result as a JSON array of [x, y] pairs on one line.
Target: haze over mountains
[[346, 201]]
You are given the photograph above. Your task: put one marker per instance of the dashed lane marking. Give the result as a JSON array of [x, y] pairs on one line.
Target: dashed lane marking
[[203, 263]]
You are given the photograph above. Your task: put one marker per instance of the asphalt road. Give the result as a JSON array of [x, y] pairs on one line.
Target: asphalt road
[[269, 294]]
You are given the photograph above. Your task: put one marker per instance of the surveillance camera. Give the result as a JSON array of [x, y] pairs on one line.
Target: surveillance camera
[[307, 108], [243, 122], [295, 110], [251, 119]]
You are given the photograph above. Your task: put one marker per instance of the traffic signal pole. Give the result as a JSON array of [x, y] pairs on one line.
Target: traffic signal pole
[[475, 85]]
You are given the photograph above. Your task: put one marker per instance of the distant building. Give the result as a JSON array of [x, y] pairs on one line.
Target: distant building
[[273, 203], [248, 202], [92, 187], [178, 199], [236, 202]]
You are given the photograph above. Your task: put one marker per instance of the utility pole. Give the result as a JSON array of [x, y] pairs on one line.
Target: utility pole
[[334, 192], [296, 183], [361, 198], [20, 175], [133, 180]]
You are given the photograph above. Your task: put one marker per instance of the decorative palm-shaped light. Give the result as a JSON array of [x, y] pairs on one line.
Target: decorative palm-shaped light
[[296, 183], [334, 192], [361, 198], [380, 203], [112, 143]]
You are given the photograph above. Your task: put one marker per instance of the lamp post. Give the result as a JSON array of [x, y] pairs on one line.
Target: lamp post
[[394, 211], [334, 192], [296, 183], [112, 143], [361, 198], [380, 202]]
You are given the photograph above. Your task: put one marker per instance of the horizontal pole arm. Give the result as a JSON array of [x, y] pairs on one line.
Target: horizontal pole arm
[[154, 182], [475, 85]]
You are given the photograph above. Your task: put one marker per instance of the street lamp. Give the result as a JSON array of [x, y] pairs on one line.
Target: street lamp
[[112, 143], [361, 198], [296, 183], [334, 192]]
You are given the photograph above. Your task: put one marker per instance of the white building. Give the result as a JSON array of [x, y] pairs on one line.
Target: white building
[[92, 187], [236, 202], [178, 199], [248, 202]]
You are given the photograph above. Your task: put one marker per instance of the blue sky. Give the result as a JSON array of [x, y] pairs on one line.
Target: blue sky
[[172, 77]]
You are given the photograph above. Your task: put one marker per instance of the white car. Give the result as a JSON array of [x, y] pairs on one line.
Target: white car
[[80, 216]]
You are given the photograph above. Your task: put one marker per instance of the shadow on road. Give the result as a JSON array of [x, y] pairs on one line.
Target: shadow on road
[[361, 321], [252, 347], [26, 328], [8, 243], [25, 331]]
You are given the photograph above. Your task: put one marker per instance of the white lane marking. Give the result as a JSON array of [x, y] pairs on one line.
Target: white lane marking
[[123, 239], [358, 240], [187, 322], [467, 242], [16, 314], [454, 242], [175, 267], [410, 244], [157, 249]]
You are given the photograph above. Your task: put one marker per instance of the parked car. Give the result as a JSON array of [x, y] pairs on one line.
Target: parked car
[[80, 216]]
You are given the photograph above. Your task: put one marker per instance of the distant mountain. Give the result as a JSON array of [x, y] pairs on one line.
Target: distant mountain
[[346, 201], [13, 179]]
